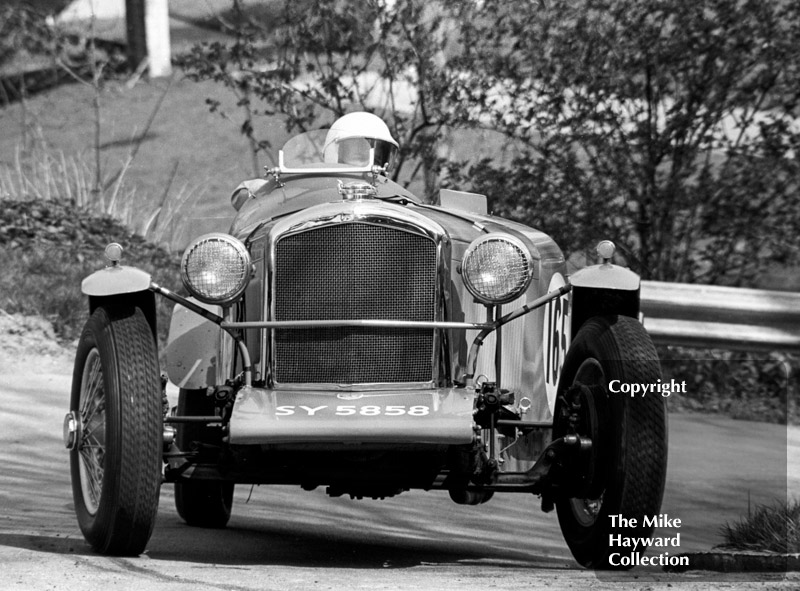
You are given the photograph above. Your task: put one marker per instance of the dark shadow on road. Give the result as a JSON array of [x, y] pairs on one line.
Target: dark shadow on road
[[303, 545], [286, 544]]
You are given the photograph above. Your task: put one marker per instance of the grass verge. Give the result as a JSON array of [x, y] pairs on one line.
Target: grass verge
[[770, 528]]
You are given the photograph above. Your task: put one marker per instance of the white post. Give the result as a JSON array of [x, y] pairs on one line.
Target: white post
[[159, 56]]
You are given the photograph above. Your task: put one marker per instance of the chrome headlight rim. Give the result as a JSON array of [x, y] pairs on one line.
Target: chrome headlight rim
[[525, 257], [238, 248]]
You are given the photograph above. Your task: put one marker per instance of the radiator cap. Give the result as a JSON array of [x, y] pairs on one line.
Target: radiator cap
[[356, 191]]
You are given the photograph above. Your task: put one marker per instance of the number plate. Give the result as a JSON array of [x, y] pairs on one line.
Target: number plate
[[430, 416], [349, 410]]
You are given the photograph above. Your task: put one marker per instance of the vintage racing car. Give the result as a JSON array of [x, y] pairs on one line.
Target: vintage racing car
[[345, 334]]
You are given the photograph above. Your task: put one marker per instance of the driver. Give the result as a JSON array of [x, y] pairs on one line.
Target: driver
[[350, 138]]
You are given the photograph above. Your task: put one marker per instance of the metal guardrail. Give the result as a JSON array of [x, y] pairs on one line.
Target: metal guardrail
[[710, 316]]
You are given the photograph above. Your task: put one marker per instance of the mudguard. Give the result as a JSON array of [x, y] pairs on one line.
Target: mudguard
[[603, 290], [117, 285], [606, 276], [115, 280]]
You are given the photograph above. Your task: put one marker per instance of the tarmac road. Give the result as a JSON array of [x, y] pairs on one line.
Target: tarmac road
[[285, 538]]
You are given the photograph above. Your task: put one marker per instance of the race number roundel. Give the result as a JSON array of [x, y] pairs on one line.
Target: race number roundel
[[555, 339]]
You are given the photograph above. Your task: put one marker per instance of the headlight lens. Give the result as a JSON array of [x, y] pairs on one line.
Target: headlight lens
[[216, 268], [497, 268]]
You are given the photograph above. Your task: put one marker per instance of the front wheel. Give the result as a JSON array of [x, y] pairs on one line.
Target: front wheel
[[114, 431], [201, 503], [624, 473]]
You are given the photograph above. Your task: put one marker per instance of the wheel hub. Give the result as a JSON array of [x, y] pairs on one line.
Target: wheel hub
[[582, 414], [72, 430]]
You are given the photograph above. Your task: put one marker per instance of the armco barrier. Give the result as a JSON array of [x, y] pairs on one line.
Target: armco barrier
[[724, 317]]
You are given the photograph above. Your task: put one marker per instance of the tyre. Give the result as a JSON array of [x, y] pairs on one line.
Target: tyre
[[625, 470], [117, 431], [201, 503]]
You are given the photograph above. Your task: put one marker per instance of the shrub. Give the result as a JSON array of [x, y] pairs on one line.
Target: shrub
[[744, 385]]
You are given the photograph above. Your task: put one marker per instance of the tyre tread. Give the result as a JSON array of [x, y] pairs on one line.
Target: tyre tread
[[131, 485], [139, 490]]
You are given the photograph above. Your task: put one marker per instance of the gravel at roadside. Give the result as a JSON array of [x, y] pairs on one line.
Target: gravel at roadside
[[30, 341]]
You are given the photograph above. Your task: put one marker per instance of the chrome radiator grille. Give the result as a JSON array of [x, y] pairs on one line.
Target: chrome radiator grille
[[354, 271]]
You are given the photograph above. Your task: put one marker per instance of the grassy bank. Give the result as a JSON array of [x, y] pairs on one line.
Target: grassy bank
[[48, 247]]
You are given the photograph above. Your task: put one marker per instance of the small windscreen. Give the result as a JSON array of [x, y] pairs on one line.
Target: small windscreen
[[312, 150]]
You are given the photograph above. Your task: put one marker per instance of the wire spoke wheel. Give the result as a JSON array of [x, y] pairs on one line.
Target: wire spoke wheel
[[114, 431], [91, 446]]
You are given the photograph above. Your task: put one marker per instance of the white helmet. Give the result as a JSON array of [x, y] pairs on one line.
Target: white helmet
[[351, 136]]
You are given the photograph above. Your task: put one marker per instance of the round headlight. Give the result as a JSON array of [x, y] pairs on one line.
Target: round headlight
[[216, 268], [497, 268]]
